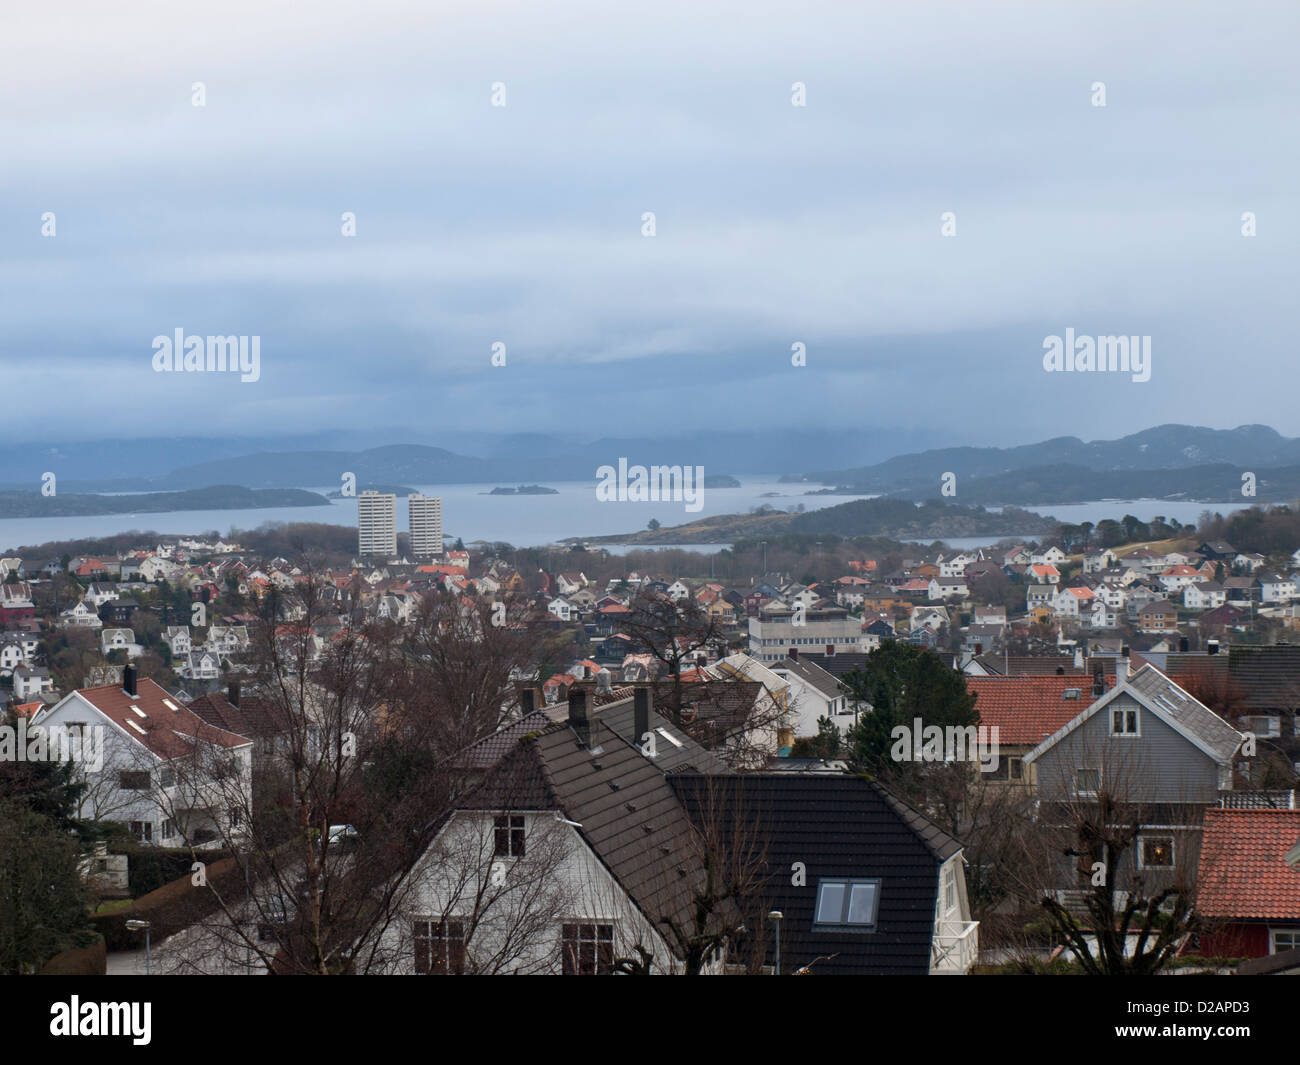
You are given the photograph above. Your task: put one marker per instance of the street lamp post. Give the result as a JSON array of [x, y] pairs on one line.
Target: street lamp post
[[137, 926], [777, 916]]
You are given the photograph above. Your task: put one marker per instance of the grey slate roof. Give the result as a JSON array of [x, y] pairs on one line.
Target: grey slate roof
[[1157, 690], [620, 717], [814, 675]]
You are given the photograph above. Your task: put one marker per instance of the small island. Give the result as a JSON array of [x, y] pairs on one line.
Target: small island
[[214, 497], [720, 480], [525, 490]]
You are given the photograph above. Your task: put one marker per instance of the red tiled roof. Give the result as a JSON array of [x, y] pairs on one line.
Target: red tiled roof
[[1242, 871], [157, 726], [1027, 710]]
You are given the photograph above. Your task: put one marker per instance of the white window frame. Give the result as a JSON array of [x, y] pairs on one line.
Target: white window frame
[[1125, 733], [1086, 793], [1144, 837], [1292, 933]]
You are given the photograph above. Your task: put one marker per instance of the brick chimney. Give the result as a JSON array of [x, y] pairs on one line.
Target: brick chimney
[[794, 653], [128, 681], [232, 693]]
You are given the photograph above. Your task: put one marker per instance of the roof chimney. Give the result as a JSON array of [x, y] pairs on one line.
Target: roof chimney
[[128, 681], [578, 720], [1183, 644], [979, 648], [1212, 647], [794, 654], [1123, 663], [527, 701], [1098, 682], [830, 650], [232, 693], [1060, 671], [640, 714]]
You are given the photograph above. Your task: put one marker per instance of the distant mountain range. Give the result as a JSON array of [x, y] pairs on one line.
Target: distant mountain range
[[1166, 462], [1176, 462], [174, 463]]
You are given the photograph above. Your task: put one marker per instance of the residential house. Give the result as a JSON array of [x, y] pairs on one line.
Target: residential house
[[81, 615], [31, 682], [1276, 588], [200, 665], [168, 775], [1158, 617], [947, 588], [111, 640], [1204, 596], [814, 693], [100, 593], [177, 637], [1248, 883], [1026, 710], [1151, 747]]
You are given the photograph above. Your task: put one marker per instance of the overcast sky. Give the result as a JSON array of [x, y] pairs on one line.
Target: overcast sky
[[523, 224]]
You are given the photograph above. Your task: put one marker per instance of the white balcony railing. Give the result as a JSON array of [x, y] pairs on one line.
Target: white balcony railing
[[956, 953]]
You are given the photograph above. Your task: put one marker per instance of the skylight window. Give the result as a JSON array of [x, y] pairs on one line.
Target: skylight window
[[171, 705], [136, 727], [139, 712], [848, 904], [669, 737]]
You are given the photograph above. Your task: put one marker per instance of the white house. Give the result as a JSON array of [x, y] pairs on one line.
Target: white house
[[1053, 556], [165, 773], [119, 640], [947, 587], [1204, 596], [31, 682], [157, 568], [955, 565], [232, 639], [80, 615], [561, 608], [201, 665], [178, 638], [100, 592], [813, 694], [1098, 559], [1274, 588]]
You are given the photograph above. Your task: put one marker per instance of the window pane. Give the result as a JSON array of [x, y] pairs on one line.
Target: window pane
[[830, 907], [862, 904]]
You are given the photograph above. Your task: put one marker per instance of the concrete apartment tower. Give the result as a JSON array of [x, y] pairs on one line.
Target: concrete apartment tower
[[426, 526], [377, 524]]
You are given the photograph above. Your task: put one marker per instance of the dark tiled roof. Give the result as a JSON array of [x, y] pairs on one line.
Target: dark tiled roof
[[638, 830], [837, 826], [814, 675], [838, 664], [1268, 676], [488, 751], [620, 716], [254, 717], [1026, 665]]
